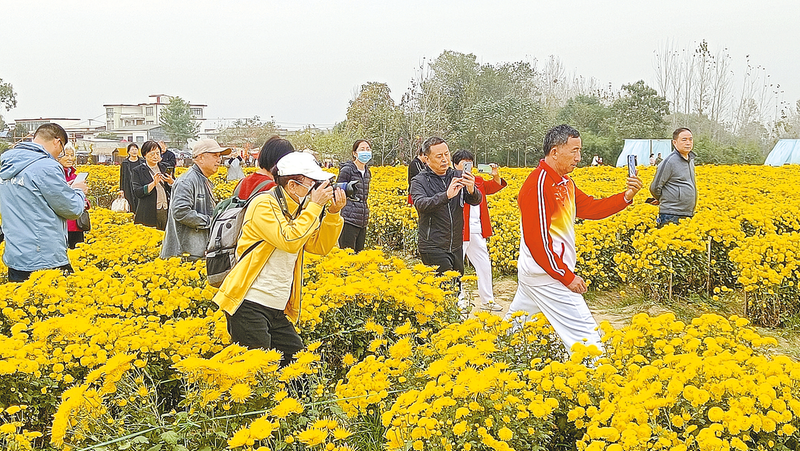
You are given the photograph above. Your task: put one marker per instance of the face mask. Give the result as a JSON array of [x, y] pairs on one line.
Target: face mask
[[364, 156], [302, 201]]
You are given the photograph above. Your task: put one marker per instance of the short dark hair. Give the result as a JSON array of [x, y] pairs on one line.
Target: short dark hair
[[462, 154], [558, 136], [678, 131], [272, 151], [132, 145], [430, 142], [148, 146], [50, 131], [358, 143]]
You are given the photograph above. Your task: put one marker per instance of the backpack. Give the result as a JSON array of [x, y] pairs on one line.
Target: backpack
[[225, 230]]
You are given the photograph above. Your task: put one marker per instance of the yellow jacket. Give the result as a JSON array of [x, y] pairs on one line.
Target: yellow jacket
[[264, 221]]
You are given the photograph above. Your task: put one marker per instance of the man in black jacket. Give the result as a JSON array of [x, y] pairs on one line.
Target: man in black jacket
[[439, 193]]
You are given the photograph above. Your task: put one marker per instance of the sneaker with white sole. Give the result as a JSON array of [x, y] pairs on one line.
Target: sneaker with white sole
[[492, 307]]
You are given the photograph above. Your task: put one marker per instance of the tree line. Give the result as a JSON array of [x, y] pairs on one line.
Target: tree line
[[501, 111]]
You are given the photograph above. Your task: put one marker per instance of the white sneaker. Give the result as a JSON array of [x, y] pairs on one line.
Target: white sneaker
[[492, 307]]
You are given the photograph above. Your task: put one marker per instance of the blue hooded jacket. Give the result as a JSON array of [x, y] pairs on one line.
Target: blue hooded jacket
[[35, 203]]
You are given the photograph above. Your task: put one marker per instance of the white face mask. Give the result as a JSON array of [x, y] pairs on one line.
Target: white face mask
[[307, 196]]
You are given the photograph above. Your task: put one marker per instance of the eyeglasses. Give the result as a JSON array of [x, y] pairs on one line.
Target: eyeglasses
[[63, 150]]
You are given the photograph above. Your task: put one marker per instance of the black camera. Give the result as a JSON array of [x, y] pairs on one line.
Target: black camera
[[349, 189]]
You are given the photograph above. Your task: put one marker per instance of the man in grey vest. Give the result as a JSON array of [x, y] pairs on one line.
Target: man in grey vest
[[675, 186]]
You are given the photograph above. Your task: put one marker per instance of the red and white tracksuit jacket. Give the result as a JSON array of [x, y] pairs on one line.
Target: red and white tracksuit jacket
[[549, 204]]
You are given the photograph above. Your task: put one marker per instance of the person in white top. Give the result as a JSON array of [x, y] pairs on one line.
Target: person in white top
[[477, 229]]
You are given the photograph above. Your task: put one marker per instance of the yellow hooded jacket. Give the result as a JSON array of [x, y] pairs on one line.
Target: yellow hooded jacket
[[264, 221]]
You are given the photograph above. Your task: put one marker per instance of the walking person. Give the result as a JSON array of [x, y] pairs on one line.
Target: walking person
[[152, 185], [478, 229], [125, 169], [36, 202], [549, 203], [261, 295], [356, 212]]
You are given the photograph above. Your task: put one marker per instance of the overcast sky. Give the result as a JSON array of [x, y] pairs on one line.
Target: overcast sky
[[301, 61]]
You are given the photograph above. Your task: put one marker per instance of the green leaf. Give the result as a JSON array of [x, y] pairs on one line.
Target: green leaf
[[170, 437]]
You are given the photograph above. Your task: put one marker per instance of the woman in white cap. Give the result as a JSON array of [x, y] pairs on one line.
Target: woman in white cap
[[261, 295]]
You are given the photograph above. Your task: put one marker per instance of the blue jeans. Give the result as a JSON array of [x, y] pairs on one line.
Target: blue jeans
[[662, 219]]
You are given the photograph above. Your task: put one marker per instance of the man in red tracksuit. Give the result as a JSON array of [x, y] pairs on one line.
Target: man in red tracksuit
[[549, 202]]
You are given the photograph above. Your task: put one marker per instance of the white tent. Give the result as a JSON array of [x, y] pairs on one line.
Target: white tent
[[786, 151], [642, 148]]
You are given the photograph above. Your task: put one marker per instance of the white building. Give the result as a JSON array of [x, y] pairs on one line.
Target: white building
[[120, 115]]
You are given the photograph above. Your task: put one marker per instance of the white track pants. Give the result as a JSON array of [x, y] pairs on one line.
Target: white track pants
[[567, 312], [478, 254]]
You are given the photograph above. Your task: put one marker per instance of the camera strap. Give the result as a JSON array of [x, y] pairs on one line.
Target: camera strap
[[281, 197]]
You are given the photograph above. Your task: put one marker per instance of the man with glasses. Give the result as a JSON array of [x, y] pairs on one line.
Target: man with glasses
[[35, 204], [193, 202]]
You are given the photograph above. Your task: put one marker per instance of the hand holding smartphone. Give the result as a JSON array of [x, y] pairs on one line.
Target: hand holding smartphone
[[80, 177], [468, 167], [632, 165]]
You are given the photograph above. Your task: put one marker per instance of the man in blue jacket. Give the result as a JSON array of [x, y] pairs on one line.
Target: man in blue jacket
[[35, 204]]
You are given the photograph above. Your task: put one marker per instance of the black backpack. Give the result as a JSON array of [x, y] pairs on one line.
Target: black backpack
[[225, 230]]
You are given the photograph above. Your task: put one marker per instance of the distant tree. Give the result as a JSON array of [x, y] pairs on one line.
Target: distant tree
[[590, 116], [250, 131], [373, 116], [178, 122], [639, 112], [20, 131], [8, 98], [334, 144]]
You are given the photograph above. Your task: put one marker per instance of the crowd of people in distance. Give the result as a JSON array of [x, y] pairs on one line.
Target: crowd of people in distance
[[295, 206]]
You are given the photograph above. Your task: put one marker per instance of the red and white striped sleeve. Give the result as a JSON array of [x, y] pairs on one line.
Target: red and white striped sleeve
[[537, 204]]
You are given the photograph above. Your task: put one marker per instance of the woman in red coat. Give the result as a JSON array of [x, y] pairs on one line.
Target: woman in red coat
[[477, 228]]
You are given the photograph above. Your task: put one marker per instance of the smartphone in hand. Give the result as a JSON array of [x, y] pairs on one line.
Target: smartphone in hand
[[485, 168], [632, 165], [468, 166]]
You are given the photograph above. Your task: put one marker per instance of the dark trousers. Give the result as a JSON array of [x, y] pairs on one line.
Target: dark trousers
[[73, 238], [161, 218], [352, 237], [256, 326], [445, 261], [664, 219], [21, 276]]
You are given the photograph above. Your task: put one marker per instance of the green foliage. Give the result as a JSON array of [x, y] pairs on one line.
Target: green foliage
[[178, 122], [249, 131], [373, 116], [639, 113], [335, 144], [8, 98], [20, 131]]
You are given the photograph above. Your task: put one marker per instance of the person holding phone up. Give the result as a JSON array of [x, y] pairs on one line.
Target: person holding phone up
[[152, 184], [549, 203], [440, 194], [478, 227]]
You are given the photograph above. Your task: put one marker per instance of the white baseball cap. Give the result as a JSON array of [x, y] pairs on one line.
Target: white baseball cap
[[301, 163]]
